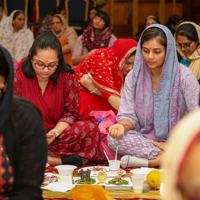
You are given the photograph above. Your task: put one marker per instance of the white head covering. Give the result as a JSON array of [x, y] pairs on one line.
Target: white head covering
[[67, 32], [3, 19], [22, 40]]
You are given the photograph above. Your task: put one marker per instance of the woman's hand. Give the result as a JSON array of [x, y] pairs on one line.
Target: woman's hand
[[86, 81], [160, 145], [51, 136], [116, 131]]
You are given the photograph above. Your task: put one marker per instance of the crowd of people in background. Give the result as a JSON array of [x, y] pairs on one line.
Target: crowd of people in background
[[59, 78]]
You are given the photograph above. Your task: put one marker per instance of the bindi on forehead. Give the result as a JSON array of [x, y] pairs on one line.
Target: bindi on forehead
[[149, 48], [46, 62]]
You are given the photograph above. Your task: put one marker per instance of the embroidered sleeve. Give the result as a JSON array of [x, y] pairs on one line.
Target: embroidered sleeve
[[127, 106], [189, 88], [71, 95]]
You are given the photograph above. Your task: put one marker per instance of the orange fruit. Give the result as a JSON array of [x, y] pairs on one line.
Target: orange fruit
[[154, 178]]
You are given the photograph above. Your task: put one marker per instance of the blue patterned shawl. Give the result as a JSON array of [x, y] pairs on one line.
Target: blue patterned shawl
[[157, 116]]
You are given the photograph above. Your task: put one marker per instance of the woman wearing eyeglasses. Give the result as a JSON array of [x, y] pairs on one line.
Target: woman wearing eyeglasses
[[66, 35], [49, 83], [187, 39], [23, 142]]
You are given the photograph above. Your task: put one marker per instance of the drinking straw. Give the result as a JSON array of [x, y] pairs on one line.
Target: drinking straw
[[116, 154], [106, 155]]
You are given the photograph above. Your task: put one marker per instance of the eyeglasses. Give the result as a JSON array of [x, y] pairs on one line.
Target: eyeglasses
[[53, 23], [99, 18], [186, 47], [51, 66]]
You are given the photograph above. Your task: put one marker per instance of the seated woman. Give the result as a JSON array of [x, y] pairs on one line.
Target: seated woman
[[151, 19], [22, 140], [182, 175], [49, 83], [18, 34], [158, 92], [101, 90], [66, 35], [46, 22], [97, 35], [187, 39]]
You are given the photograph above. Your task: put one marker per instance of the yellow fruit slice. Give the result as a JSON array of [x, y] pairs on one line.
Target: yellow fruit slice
[[102, 176]]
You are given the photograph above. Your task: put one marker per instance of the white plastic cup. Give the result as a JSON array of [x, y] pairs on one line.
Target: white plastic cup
[[138, 182], [65, 170], [114, 166], [66, 179], [162, 189]]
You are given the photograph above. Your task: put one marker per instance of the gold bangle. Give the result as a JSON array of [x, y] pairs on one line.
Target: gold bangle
[[93, 91]]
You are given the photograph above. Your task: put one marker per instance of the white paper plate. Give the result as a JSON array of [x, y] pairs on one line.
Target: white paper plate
[[94, 173], [110, 186]]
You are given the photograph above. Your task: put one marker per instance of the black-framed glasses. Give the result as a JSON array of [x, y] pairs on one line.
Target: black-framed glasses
[[186, 47], [51, 66]]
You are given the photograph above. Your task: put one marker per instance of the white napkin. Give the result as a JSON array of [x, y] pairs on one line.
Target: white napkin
[[64, 184]]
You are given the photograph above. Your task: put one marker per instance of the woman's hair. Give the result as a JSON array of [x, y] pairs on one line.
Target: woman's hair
[[57, 10], [173, 20], [132, 54], [104, 15], [46, 41], [152, 17], [17, 13], [189, 31], [4, 69], [152, 33], [93, 8]]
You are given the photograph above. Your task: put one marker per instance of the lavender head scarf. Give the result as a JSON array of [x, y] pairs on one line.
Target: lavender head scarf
[[157, 116]]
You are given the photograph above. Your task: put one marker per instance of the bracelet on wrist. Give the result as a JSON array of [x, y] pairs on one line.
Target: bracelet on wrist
[[124, 125], [93, 91], [56, 132]]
